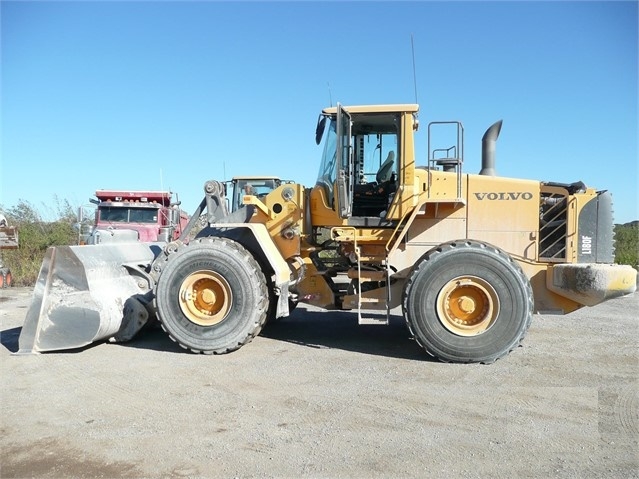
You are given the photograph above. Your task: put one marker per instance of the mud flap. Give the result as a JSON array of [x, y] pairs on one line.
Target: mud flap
[[81, 292]]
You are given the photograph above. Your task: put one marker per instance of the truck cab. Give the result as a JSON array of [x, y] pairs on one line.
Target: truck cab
[[147, 216]]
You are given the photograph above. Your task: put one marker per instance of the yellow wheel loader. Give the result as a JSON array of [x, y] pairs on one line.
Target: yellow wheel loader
[[468, 257]]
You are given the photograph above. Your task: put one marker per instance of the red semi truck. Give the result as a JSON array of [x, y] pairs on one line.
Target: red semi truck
[[148, 216]]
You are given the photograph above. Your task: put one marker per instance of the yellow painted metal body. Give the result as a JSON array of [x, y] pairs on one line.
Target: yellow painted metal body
[[282, 212], [431, 207]]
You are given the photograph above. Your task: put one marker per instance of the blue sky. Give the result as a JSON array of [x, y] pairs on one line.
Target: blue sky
[[151, 95]]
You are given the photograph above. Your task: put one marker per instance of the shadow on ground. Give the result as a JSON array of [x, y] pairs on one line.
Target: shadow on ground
[[339, 330], [9, 338], [313, 329]]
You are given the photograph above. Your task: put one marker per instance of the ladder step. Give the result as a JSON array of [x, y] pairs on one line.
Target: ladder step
[[367, 275], [364, 299], [377, 320]]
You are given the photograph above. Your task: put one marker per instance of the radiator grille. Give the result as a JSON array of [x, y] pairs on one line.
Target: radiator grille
[[553, 220]]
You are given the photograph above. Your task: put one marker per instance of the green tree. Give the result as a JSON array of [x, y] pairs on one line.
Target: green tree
[[35, 236], [627, 244]]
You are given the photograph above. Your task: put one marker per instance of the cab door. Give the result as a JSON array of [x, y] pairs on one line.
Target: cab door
[[344, 163]]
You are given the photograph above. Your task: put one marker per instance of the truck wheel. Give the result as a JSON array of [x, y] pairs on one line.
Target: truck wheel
[[211, 296], [468, 302]]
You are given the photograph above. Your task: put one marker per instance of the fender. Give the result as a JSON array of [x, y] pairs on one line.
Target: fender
[[255, 238]]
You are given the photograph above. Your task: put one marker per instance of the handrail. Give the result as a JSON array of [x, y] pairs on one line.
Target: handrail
[[458, 150], [421, 202]]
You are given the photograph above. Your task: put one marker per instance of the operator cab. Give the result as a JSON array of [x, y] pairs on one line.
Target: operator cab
[[360, 164]]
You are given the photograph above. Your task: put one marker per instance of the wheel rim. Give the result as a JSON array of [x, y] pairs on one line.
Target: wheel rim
[[205, 298], [467, 305]]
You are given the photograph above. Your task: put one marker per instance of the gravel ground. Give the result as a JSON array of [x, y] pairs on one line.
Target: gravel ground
[[318, 396]]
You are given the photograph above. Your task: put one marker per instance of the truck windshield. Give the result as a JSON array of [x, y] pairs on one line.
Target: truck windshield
[[118, 214], [328, 171]]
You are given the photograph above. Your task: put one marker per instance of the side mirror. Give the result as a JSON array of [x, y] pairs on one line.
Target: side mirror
[[319, 129]]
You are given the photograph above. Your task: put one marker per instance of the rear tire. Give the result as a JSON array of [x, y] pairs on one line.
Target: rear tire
[[211, 296], [468, 302]]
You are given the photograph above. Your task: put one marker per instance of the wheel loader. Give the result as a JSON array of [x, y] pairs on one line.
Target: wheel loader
[[469, 258]]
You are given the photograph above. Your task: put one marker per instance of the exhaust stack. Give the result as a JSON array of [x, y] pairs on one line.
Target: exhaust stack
[[488, 142]]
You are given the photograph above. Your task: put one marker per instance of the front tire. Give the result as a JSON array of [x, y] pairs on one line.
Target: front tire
[[468, 302], [211, 296]]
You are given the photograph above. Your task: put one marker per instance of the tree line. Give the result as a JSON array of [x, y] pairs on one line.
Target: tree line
[[36, 233]]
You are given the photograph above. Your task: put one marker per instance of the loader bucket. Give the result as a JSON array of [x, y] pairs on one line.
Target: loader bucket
[[80, 294]]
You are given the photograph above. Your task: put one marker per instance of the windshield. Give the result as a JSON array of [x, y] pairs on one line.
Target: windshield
[[328, 171], [259, 187], [118, 214]]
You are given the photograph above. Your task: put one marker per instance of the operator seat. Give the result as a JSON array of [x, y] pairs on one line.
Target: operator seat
[[372, 198], [383, 175], [385, 170]]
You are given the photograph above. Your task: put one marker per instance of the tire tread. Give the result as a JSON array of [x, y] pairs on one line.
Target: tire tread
[[443, 248], [252, 268]]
